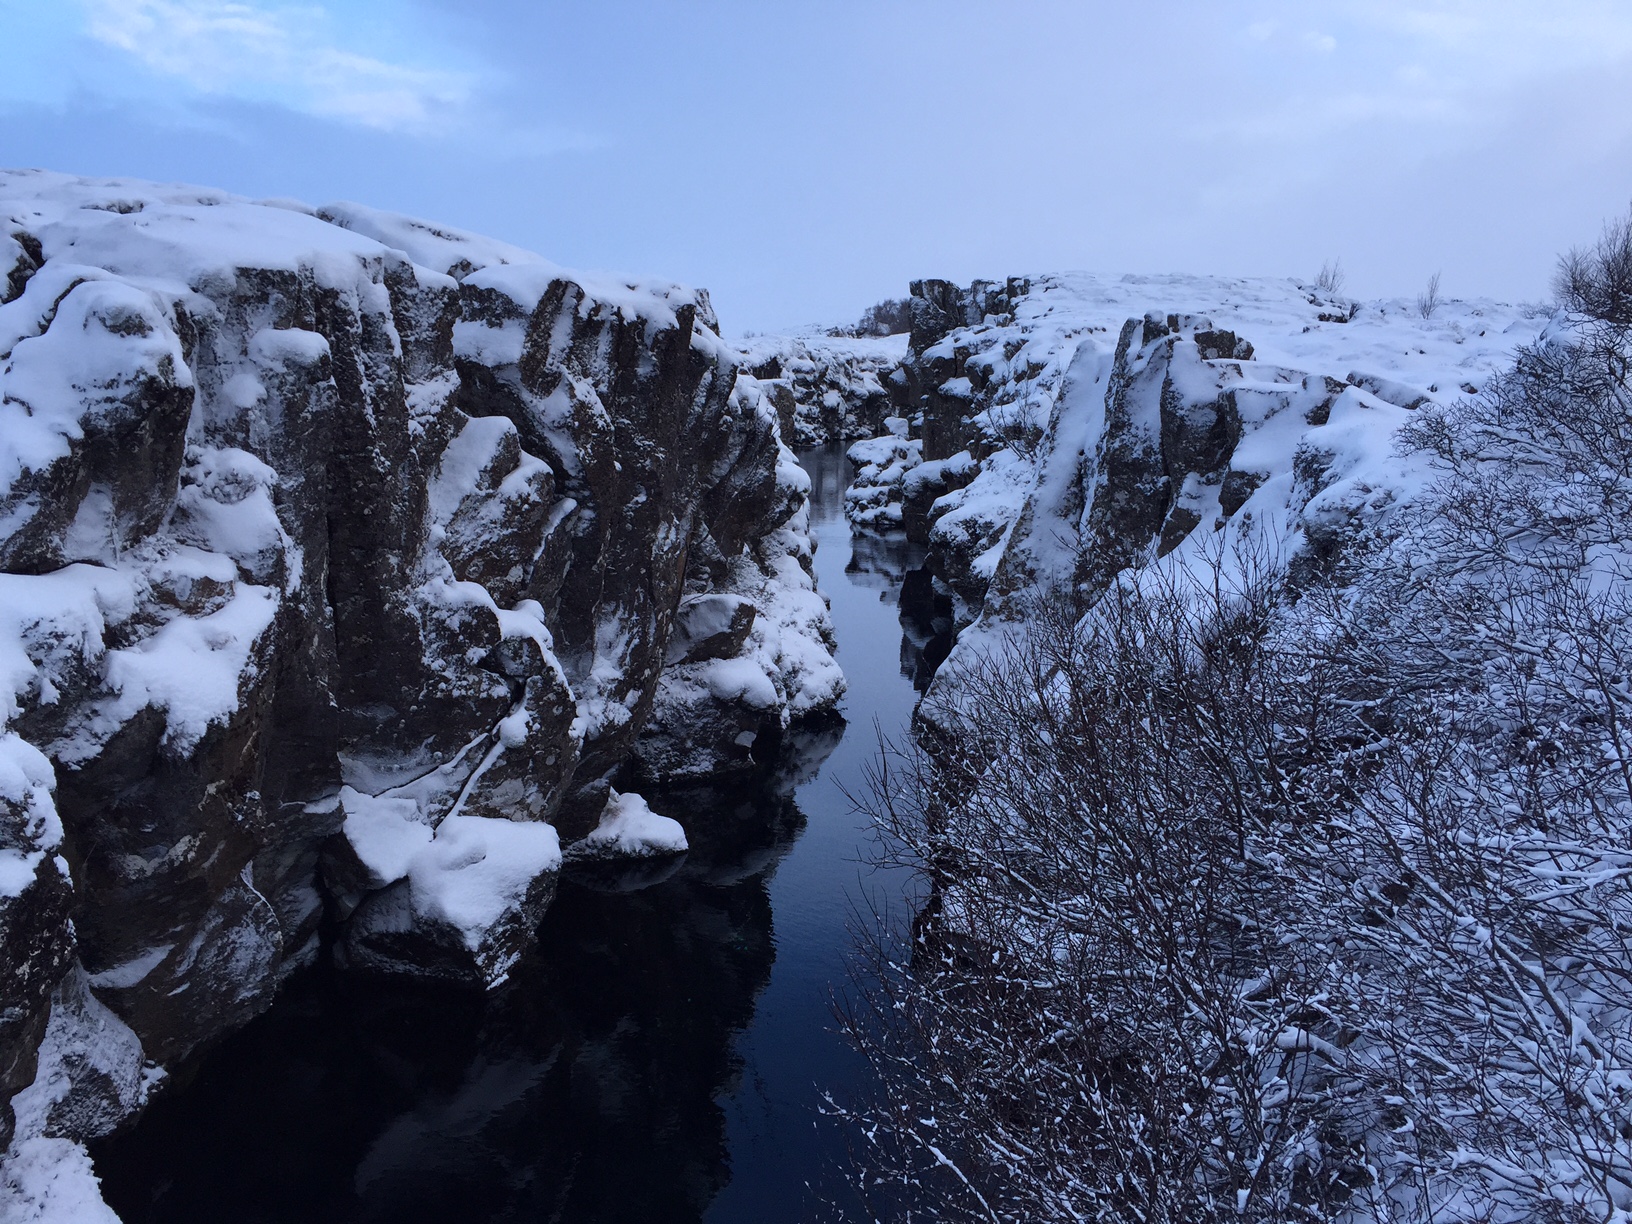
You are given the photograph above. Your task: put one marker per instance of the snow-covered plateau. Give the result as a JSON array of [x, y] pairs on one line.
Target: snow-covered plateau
[[346, 563]]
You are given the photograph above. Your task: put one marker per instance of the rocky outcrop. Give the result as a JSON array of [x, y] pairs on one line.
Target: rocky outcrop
[[35, 903], [345, 562], [1174, 433], [875, 499], [827, 388], [939, 388], [1063, 432], [750, 654]]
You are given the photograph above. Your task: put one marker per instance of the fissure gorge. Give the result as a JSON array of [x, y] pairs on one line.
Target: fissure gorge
[[465, 724], [659, 1055]]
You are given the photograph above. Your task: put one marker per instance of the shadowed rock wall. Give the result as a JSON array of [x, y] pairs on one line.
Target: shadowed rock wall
[[340, 560]]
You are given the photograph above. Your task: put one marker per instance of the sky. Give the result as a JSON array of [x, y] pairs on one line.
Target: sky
[[803, 159]]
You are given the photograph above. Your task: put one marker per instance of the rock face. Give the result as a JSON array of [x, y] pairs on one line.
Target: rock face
[[827, 388], [751, 652], [939, 385], [1068, 429], [345, 561]]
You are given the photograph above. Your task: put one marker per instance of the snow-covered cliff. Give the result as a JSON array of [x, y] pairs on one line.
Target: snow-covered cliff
[[826, 387], [1274, 802], [346, 562], [1065, 428]]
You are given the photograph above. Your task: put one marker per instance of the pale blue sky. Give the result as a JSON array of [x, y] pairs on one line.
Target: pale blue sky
[[803, 158]]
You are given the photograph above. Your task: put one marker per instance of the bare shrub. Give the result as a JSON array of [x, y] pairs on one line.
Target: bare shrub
[[1428, 299], [1098, 1018], [1242, 908], [1331, 278], [1596, 281]]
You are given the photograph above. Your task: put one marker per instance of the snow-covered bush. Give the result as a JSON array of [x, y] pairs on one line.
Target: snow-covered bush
[[1245, 902], [1101, 1016]]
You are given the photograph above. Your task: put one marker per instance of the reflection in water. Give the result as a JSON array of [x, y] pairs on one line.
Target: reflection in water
[[893, 566], [926, 627], [582, 1090], [660, 1056], [783, 1156]]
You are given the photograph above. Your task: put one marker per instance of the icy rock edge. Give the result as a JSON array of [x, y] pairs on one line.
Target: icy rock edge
[[346, 561]]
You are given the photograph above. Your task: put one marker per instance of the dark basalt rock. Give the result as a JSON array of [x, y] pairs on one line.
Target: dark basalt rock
[[22, 257], [928, 390], [39, 948], [1236, 487], [415, 534], [711, 627]]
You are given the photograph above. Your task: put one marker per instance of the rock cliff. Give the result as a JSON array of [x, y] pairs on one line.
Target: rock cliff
[[346, 563], [1058, 431], [827, 387]]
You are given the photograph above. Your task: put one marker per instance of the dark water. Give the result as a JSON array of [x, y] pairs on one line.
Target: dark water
[[660, 1057]]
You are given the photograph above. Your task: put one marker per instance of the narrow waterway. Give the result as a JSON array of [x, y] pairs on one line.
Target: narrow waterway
[[778, 1143], [660, 1057]]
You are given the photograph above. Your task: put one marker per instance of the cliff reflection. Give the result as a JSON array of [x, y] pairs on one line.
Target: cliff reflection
[[584, 1089]]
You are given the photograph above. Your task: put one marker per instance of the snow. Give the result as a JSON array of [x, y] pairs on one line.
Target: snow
[[105, 338], [193, 669], [386, 831], [629, 827], [26, 783], [438, 247], [744, 679], [1043, 374], [175, 237], [813, 344], [50, 1181], [83, 1038], [486, 263], [129, 973], [478, 869], [701, 617], [140, 248], [836, 384], [226, 505], [882, 464], [472, 453], [487, 344], [51, 622]]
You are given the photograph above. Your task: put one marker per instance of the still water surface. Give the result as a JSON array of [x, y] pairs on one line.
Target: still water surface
[[660, 1057]]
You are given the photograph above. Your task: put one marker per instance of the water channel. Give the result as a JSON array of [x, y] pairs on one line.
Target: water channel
[[660, 1057]]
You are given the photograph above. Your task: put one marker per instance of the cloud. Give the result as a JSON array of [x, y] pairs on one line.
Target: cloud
[[1419, 72], [284, 55], [1503, 39]]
